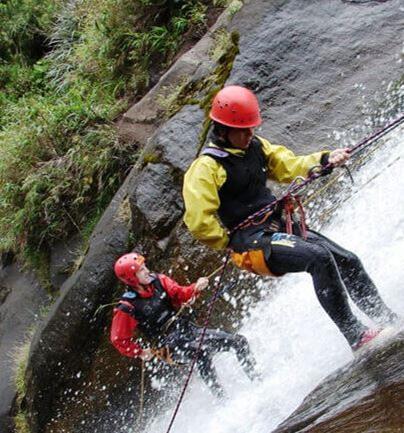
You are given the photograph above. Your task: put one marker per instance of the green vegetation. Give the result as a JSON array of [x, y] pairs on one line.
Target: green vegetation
[[224, 51], [235, 6], [67, 70], [19, 357]]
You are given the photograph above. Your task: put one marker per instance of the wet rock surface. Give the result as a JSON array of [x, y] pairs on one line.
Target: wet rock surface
[[178, 139], [316, 66], [69, 335], [157, 201], [365, 396], [21, 298], [4, 292], [63, 256], [157, 205]]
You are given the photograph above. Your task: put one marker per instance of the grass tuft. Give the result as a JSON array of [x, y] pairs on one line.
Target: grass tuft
[[19, 358], [67, 70]]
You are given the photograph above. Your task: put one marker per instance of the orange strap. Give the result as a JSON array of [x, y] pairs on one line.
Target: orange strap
[[261, 221]]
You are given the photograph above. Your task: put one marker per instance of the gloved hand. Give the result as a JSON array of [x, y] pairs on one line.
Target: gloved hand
[[201, 283]]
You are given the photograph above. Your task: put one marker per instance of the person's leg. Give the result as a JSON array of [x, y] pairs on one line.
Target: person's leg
[[290, 253], [359, 285], [183, 341], [220, 341], [208, 374]]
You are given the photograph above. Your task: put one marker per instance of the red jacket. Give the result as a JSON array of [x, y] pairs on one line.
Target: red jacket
[[124, 325]]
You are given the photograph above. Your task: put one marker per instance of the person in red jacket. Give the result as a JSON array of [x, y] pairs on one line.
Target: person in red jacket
[[151, 304]]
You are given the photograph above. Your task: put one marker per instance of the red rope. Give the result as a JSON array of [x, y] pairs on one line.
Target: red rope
[[289, 209], [303, 225], [378, 134], [205, 325]]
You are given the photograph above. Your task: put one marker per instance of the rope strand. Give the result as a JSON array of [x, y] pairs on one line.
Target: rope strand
[[141, 403], [205, 325]]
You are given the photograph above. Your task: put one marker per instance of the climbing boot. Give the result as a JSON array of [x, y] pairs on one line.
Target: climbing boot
[[366, 336]]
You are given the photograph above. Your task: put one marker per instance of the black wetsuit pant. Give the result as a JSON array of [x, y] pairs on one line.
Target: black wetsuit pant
[[336, 272], [183, 340]]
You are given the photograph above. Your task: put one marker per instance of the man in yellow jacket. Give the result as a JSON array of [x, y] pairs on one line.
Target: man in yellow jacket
[[227, 183]]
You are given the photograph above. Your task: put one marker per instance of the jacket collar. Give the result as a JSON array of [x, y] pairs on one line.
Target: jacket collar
[[232, 150], [146, 291]]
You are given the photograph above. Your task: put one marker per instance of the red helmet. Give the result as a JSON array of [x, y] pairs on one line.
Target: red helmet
[[237, 107], [127, 266]]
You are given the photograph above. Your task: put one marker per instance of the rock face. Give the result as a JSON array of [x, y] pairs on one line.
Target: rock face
[[157, 204], [21, 297], [313, 66], [178, 140], [157, 201], [318, 65], [363, 397], [62, 346]]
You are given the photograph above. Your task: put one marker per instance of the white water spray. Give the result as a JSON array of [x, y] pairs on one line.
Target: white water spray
[[294, 341]]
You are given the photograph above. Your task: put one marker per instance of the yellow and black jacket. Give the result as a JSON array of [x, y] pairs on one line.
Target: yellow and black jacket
[[230, 184]]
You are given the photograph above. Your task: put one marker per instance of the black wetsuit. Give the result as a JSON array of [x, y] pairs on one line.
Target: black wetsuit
[[183, 340]]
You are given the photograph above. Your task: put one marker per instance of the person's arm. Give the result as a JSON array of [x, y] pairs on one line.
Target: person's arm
[[284, 166], [182, 294], [122, 334], [201, 187]]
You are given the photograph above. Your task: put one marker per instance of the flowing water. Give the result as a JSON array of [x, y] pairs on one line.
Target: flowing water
[[295, 342]]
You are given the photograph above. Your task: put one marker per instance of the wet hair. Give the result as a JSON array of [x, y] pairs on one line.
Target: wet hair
[[218, 134]]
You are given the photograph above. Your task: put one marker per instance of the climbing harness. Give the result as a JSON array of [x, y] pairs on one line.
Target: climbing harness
[[289, 207], [290, 201], [292, 194]]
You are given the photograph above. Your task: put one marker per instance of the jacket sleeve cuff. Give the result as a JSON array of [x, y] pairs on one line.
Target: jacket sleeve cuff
[[324, 158], [324, 161]]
